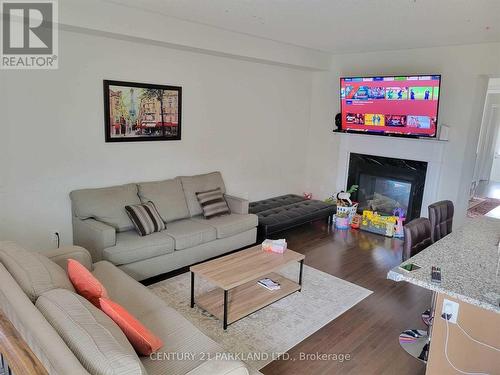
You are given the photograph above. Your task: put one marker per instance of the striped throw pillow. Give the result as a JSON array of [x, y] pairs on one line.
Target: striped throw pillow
[[145, 218], [212, 203]]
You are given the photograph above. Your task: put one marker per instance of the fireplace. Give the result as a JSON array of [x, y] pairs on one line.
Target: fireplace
[[387, 183]]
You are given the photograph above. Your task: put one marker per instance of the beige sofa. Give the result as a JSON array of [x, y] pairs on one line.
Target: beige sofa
[[101, 225], [30, 283]]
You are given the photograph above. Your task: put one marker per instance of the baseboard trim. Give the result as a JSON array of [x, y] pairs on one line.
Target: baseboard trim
[[170, 274]]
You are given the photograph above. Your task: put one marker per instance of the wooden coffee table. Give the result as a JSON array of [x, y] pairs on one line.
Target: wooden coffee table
[[235, 276]]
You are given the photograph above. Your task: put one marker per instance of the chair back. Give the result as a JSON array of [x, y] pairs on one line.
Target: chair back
[[441, 217], [417, 237]]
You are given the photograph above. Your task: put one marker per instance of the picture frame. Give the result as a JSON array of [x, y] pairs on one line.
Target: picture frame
[[137, 112]]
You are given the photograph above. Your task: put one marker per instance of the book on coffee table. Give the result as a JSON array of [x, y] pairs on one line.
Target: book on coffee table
[[269, 284]]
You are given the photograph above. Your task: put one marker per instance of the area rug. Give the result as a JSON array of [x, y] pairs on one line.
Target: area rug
[[474, 201], [483, 207], [276, 328]]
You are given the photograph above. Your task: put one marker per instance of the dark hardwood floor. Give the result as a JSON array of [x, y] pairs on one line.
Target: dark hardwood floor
[[490, 189], [369, 331]]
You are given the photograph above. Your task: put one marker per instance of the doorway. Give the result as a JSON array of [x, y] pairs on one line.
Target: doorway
[[485, 187]]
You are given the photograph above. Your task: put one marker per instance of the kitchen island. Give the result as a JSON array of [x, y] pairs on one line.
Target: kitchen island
[[469, 259]]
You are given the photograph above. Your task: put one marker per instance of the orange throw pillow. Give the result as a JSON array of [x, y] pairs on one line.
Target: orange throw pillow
[[85, 283], [141, 338]]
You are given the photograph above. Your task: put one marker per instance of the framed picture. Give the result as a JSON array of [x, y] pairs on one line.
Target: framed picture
[[141, 112]]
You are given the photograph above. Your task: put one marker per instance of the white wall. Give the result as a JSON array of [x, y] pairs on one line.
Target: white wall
[[247, 119], [464, 72]]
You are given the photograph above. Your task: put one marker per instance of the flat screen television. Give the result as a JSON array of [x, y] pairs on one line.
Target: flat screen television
[[404, 106]]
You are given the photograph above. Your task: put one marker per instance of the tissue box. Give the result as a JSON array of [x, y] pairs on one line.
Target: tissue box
[[275, 246]]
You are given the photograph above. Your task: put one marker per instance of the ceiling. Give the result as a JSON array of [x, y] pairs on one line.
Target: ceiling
[[339, 26]]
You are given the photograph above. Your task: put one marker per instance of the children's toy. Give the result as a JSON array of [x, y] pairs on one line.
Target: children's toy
[[349, 210], [399, 213], [344, 203], [356, 221], [308, 196], [344, 199], [375, 223], [342, 220]]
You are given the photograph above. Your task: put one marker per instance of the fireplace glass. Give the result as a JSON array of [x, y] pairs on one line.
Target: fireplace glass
[[383, 194], [387, 183]]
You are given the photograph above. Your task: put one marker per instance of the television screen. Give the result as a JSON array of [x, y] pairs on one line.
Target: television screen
[[405, 106]]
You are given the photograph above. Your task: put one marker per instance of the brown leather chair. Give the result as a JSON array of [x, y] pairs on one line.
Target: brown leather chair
[[417, 237], [441, 217]]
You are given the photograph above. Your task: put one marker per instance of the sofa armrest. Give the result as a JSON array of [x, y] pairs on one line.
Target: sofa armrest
[[237, 205], [61, 256], [94, 236], [220, 367]]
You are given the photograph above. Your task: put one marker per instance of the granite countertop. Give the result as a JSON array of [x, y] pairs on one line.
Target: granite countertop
[[469, 258]]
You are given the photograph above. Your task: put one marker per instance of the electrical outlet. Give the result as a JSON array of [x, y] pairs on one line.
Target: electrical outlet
[[54, 236], [450, 308]]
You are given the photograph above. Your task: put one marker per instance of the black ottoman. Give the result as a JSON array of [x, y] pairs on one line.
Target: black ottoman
[[287, 211]]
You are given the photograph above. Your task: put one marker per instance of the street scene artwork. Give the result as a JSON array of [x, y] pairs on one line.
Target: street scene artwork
[[141, 112]]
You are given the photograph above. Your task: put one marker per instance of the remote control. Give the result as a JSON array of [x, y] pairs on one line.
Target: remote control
[[436, 274]]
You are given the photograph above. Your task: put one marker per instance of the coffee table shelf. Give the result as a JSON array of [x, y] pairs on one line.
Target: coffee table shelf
[[245, 299], [235, 277]]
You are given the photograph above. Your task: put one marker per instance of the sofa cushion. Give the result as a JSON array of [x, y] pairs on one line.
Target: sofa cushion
[[229, 225], [188, 233], [35, 273], [93, 337], [179, 336], [106, 204], [203, 182], [131, 247], [168, 197], [145, 218], [126, 291]]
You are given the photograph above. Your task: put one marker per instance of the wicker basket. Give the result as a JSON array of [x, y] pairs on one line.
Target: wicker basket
[[350, 211]]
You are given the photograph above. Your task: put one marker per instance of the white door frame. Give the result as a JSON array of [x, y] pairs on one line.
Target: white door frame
[[487, 140]]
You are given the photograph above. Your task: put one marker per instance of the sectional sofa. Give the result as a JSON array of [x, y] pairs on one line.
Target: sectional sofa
[[70, 336], [101, 225]]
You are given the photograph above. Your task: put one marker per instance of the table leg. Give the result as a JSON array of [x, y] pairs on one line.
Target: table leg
[[192, 289], [225, 310], [300, 274]]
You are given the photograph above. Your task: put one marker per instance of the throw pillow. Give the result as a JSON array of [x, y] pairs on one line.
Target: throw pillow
[[141, 338], [212, 203], [145, 218], [85, 283]]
